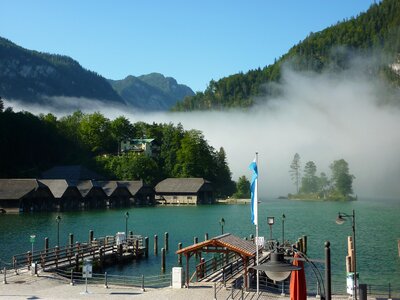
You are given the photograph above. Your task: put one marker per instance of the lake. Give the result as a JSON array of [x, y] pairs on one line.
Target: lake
[[377, 231]]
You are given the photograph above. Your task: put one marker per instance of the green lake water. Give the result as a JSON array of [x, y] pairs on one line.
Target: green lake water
[[377, 231]]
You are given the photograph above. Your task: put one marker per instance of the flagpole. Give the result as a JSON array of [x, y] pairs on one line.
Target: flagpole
[[256, 216]]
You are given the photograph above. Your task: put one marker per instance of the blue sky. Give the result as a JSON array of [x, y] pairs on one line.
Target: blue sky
[[192, 41]]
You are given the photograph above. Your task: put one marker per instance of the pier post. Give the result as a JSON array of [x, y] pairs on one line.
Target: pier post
[[304, 244], [29, 259], [101, 254], [162, 260], [155, 244], [71, 240], [136, 250], [146, 244], [131, 234], [56, 250], [195, 241], [166, 241], [179, 255], [90, 236], [46, 245], [206, 236], [77, 262], [328, 270]]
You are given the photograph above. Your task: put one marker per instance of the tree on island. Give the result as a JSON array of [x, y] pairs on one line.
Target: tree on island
[[341, 179], [295, 171], [309, 182]]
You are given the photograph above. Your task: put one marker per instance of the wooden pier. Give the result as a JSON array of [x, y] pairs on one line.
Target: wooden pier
[[102, 251]]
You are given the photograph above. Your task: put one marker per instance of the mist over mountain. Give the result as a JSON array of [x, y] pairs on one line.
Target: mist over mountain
[[151, 92]]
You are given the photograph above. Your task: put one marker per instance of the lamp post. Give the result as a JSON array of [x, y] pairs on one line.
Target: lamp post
[[126, 224], [341, 218], [58, 219], [270, 222], [283, 230], [222, 223]]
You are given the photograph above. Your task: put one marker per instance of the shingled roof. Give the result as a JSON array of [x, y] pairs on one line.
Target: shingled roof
[[17, 188], [74, 172], [231, 242], [133, 186], [58, 186], [181, 185]]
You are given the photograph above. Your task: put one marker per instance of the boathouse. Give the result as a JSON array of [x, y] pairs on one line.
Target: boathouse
[[24, 195], [142, 194], [93, 195], [185, 191], [118, 195], [65, 192]]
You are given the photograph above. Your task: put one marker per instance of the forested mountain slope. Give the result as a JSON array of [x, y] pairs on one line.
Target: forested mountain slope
[[375, 32]]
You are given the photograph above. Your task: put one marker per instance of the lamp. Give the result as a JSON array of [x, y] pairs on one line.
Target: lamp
[[222, 223], [270, 222], [58, 219], [341, 218], [277, 268]]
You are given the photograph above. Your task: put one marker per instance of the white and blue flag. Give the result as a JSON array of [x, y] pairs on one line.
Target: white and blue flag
[[253, 190]]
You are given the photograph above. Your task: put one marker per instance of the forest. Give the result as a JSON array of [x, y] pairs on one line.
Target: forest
[[373, 33], [32, 144]]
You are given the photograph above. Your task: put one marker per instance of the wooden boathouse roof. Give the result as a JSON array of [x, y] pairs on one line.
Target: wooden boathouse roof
[[14, 189], [133, 186], [58, 187], [230, 242], [182, 185]]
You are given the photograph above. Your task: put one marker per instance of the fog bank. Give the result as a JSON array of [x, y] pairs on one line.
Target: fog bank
[[321, 117]]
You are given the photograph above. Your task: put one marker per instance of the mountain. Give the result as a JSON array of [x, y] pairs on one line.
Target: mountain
[[151, 92], [31, 76], [375, 33]]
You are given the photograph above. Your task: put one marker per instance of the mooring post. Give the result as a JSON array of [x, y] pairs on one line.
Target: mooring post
[[143, 290], [91, 234], [130, 234], [146, 245], [166, 241], [179, 255], [305, 244], [155, 244], [195, 241], [206, 236], [136, 250], [46, 245], [101, 254], [162, 260], [105, 280], [71, 240], [5, 275]]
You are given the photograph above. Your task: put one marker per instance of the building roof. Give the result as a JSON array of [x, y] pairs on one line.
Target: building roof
[[133, 186], [228, 241], [141, 141], [58, 186], [85, 186], [73, 172], [180, 185], [111, 186], [17, 188]]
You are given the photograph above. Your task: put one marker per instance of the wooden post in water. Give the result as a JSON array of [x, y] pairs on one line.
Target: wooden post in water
[[304, 244], [206, 236], [162, 260], [131, 234], [46, 245], [136, 249], [166, 241], [155, 244], [90, 236], [179, 255], [101, 254], [71, 239], [195, 241], [146, 245]]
